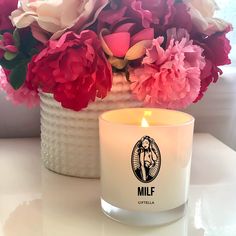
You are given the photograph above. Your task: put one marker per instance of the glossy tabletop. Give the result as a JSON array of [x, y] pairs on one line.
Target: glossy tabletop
[[36, 202]]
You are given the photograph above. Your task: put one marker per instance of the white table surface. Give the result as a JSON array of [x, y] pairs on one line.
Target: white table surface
[[36, 202]]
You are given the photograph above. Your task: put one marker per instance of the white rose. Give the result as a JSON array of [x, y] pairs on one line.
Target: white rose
[[202, 14], [56, 16]]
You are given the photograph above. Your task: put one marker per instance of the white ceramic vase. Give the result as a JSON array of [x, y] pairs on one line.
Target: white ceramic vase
[[70, 140]]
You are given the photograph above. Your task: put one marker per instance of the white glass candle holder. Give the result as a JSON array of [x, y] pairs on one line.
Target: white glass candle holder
[[145, 164]]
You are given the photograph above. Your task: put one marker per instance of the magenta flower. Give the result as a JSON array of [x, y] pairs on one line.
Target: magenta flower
[[151, 11], [181, 17], [145, 12], [169, 78], [8, 50], [6, 7], [216, 51]]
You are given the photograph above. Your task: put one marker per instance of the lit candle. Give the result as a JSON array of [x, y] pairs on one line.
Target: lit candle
[[145, 164]]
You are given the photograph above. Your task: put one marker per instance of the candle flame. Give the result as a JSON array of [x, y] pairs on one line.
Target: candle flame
[[147, 113], [144, 123]]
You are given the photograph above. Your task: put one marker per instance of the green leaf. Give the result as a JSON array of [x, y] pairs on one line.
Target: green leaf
[[28, 42], [7, 64], [33, 52], [18, 76], [19, 59], [9, 56], [1, 37], [16, 37]]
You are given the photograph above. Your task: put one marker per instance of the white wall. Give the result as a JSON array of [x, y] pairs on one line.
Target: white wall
[[216, 112]]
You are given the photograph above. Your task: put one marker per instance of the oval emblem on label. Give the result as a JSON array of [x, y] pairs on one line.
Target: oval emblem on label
[[146, 159]]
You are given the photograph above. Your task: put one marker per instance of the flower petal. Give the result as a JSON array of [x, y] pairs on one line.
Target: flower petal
[[22, 20], [11, 48], [124, 28], [104, 45], [118, 43], [41, 35], [202, 12], [146, 34], [138, 50], [57, 17]]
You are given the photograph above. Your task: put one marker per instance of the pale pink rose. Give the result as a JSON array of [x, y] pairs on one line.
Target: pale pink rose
[[21, 96], [202, 14], [56, 16], [169, 78]]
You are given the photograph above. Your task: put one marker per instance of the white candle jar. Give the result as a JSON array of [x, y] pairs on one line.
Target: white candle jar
[[145, 166]]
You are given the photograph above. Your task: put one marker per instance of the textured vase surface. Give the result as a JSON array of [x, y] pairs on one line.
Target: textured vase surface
[[69, 139]]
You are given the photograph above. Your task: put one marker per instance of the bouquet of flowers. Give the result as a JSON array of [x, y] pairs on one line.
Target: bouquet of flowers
[[169, 50]]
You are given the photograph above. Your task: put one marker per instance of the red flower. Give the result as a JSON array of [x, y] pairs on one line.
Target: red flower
[[6, 7], [216, 51], [74, 69]]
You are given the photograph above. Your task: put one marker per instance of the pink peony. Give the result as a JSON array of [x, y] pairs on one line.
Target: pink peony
[[216, 51], [169, 78], [23, 95], [73, 68], [6, 7]]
